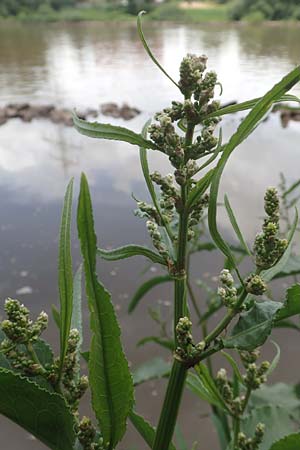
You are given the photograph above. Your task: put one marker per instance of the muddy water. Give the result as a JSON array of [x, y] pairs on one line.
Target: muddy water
[[84, 65]]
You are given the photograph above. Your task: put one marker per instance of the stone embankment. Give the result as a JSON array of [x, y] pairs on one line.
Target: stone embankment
[[27, 112]]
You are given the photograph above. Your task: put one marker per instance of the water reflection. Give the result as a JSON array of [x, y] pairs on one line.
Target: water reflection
[[84, 65]]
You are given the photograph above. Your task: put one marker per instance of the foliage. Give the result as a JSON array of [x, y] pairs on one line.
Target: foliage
[[42, 393], [265, 9]]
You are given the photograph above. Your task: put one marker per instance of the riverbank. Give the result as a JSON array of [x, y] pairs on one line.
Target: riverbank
[[175, 12]]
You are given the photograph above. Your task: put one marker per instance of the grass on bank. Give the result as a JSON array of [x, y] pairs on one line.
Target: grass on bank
[[165, 12]]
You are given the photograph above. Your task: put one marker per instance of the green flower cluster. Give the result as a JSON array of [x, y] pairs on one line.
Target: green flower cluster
[[255, 375], [87, 435], [245, 443], [187, 351], [268, 247], [20, 335], [227, 291], [255, 285]]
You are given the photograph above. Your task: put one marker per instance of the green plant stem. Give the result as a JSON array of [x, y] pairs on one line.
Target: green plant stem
[[226, 320], [236, 430], [34, 356], [168, 416], [170, 408]]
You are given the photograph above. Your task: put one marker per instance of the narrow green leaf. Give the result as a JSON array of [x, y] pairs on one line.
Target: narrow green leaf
[[65, 274], [195, 385], [291, 442], [180, 441], [200, 188], [110, 380], [56, 316], [43, 414], [151, 370], [145, 288], [291, 188], [286, 324], [234, 366], [235, 226], [163, 342], [77, 310], [253, 327], [292, 267], [249, 104], [244, 130], [222, 435], [145, 429], [146, 47], [291, 307], [110, 132], [269, 274], [209, 383], [128, 251], [275, 361]]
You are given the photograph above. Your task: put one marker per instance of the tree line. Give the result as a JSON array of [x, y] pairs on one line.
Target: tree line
[[264, 9]]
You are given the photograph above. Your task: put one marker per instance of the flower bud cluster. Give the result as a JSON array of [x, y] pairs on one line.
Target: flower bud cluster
[[198, 210], [227, 291], [157, 239], [244, 443], [235, 404], [268, 247], [166, 139], [205, 142], [147, 210], [21, 332], [169, 194], [18, 327], [86, 434], [75, 386], [256, 376], [255, 285], [187, 350], [191, 73]]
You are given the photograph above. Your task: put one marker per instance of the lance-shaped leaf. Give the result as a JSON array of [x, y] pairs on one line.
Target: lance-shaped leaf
[[43, 414], [249, 104], [195, 385], [210, 385], [145, 429], [128, 251], [244, 130], [291, 442], [151, 370], [110, 132], [253, 327], [200, 189], [148, 50], [235, 225], [110, 380], [234, 366], [163, 342], [65, 274], [291, 307], [145, 288], [292, 267]]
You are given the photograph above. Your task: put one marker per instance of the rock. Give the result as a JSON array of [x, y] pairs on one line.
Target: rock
[[125, 111]]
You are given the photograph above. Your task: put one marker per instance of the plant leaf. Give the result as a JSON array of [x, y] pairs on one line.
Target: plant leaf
[[145, 288], [269, 274], [146, 47], [234, 366], [153, 369], [195, 385], [275, 361], [200, 188], [110, 132], [249, 104], [279, 394], [110, 379], [276, 419], [291, 442], [65, 274], [235, 226], [41, 413], [128, 251], [77, 310], [210, 385], [244, 130], [145, 429], [291, 307], [253, 327], [163, 342], [292, 267]]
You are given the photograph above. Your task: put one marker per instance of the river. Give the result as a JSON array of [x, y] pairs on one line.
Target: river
[[84, 65]]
